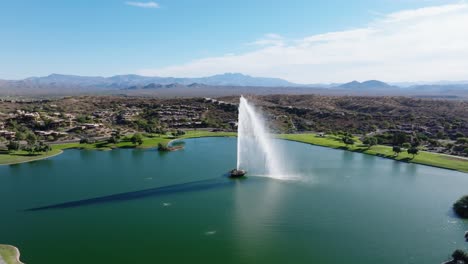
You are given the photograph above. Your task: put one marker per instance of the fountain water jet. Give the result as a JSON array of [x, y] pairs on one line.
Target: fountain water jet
[[257, 151]]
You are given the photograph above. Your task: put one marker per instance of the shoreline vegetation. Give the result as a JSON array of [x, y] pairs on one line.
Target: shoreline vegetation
[[10, 254], [423, 157], [331, 141]]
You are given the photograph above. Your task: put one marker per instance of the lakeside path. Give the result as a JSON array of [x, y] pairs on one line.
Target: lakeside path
[[9, 255], [425, 158]]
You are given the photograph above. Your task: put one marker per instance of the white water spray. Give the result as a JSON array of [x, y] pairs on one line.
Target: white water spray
[[257, 152]]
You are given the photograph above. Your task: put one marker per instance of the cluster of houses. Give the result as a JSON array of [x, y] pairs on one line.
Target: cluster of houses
[[55, 124], [5, 133], [178, 116]]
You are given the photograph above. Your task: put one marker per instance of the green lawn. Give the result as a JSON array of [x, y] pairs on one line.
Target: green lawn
[[23, 156], [148, 142], [426, 158], [8, 253]]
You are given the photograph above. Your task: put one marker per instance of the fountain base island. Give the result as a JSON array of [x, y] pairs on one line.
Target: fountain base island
[[235, 173]]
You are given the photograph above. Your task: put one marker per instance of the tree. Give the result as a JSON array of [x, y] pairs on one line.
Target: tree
[[413, 151], [137, 139], [13, 145], [42, 147], [416, 142], [31, 139], [460, 255], [399, 139], [161, 131], [178, 133], [396, 150], [20, 136], [406, 145], [30, 149], [370, 141], [348, 140], [440, 135], [422, 137], [461, 207], [113, 140], [116, 135], [162, 147], [459, 135], [83, 119]]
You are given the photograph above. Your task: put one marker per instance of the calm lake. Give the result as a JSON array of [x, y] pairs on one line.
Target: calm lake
[[340, 207]]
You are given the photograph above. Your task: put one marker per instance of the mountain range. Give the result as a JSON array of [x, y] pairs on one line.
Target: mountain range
[[228, 83], [125, 81]]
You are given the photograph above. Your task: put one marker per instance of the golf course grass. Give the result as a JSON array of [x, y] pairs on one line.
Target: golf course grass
[[424, 157]]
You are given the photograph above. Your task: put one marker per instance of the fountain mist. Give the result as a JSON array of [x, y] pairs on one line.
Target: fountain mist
[[256, 149]]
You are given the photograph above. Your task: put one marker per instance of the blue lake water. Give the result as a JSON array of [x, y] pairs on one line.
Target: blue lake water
[[142, 206]]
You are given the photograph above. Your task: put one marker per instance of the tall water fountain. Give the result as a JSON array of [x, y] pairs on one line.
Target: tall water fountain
[[257, 151]]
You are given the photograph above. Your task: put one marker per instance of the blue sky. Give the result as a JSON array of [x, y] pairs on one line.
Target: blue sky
[[203, 37]]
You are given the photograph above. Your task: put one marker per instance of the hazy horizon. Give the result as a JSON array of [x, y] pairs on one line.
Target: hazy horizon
[[247, 75]]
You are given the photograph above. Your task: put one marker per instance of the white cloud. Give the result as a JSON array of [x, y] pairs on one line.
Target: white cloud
[[425, 44], [269, 39], [143, 4]]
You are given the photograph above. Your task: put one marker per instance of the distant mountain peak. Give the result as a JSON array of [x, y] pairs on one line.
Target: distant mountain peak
[[233, 74], [370, 84]]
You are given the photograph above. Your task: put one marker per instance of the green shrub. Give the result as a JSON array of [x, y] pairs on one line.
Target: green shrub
[[137, 139], [460, 255], [461, 207], [162, 147]]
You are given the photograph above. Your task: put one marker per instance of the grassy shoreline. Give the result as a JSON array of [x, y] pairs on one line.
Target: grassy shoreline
[[10, 254], [17, 157], [424, 158]]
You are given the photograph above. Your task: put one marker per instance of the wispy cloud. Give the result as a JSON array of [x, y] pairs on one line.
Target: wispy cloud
[[269, 39], [421, 44], [143, 4]]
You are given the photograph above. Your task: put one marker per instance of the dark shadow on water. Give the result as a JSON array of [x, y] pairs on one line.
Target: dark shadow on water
[[178, 143], [158, 191]]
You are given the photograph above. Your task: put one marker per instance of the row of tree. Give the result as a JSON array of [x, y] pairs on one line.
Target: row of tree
[[371, 141], [412, 150], [32, 145]]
